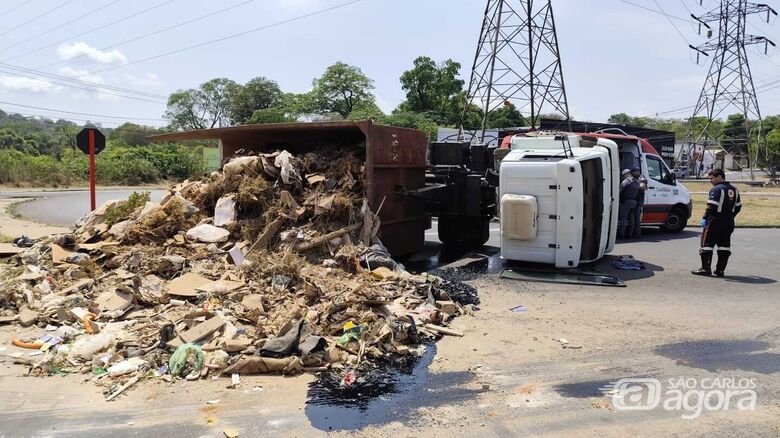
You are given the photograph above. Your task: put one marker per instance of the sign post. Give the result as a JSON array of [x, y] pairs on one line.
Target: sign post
[[91, 142]]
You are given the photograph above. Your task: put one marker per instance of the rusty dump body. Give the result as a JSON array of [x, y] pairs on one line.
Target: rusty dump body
[[394, 158]]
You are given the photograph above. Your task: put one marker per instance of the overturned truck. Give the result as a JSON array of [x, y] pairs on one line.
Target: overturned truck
[[407, 182]]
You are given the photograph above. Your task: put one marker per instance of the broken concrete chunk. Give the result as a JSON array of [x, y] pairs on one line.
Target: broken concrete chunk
[[187, 284], [27, 317], [207, 233]]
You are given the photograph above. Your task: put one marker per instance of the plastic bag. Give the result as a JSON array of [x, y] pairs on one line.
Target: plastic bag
[[187, 359], [225, 211], [87, 346], [208, 234]]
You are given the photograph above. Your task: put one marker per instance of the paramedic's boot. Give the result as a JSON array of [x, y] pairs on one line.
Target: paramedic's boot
[[706, 262], [723, 260]]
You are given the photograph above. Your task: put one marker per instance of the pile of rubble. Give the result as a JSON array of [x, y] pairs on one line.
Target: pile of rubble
[[272, 265]]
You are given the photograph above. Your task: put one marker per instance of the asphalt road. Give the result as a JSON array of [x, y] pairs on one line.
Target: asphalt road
[[66, 207]]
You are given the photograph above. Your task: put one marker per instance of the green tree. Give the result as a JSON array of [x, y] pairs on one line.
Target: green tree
[[205, 107], [769, 157], [270, 115], [258, 94], [505, 117], [130, 134], [341, 89], [433, 89], [620, 119]]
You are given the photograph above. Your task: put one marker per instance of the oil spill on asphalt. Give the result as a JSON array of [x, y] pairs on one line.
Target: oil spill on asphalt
[[385, 395], [718, 355], [588, 389]]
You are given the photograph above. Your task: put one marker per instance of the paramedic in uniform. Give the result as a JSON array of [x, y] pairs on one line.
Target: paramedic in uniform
[[723, 203], [629, 189], [635, 230]]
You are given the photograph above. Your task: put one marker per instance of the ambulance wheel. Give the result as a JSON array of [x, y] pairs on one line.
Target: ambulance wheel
[[675, 222], [470, 232]]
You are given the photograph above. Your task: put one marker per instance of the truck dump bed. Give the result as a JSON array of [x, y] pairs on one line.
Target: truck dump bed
[[394, 159]]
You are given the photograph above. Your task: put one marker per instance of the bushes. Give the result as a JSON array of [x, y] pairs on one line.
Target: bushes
[[20, 168], [116, 165]]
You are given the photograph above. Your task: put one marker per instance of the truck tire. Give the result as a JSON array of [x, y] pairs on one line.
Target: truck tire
[[467, 232], [675, 222]]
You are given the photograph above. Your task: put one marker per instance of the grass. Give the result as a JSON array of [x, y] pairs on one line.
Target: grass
[[705, 186], [5, 239], [757, 210]]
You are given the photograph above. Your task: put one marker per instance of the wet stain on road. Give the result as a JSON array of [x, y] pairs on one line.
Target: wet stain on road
[[718, 355], [587, 389], [383, 396]]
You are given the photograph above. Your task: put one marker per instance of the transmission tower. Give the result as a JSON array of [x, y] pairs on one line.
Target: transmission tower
[[729, 84], [517, 61]]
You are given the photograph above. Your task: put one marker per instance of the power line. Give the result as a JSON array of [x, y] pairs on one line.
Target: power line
[[119, 20], [80, 17], [655, 11], [79, 81], [78, 113], [60, 6], [183, 23], [3, 14], [671, 22], [91, 89], [686, 7], [228, 37]]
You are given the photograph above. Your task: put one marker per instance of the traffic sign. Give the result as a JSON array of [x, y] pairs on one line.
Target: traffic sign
[[82, 140], [91, 142]]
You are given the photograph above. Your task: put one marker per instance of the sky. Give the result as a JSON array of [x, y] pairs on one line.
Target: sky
[[616, 57]]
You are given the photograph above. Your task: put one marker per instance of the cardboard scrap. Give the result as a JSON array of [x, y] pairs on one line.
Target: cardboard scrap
[[113, 301], [59, 254], [253, 302], [202, 330], [220, 286], [8, 250], [187, 284]]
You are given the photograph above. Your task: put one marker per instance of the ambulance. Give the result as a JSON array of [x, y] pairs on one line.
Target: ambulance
[[667, 202]]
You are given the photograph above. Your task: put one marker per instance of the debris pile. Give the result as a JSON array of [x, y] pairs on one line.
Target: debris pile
[[271, 266]]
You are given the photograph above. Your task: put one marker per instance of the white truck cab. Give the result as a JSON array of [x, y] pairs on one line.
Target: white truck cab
[[558, 199]]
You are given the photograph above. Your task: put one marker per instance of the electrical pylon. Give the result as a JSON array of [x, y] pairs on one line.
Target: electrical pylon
[[517, 61], [729, 83]]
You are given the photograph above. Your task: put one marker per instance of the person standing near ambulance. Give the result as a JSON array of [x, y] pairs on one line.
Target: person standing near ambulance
[[723, 204]]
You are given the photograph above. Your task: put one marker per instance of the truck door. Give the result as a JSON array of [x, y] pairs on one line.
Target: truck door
[[660, 190]]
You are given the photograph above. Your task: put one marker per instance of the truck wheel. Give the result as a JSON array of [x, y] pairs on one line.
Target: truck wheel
[[675, 222], [469, 232]]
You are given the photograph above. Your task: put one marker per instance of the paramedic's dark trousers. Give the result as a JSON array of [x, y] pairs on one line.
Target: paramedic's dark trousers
[[635, 230], [625, 216], [717, 233]]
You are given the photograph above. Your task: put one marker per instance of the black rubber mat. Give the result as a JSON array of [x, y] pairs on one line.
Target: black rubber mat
[[565, 277]]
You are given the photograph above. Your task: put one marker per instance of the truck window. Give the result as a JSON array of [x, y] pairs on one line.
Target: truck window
[[657, 170]]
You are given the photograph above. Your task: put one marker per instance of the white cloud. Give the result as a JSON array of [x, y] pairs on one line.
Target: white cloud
[[82, 75], [82, 49], [147, 80], [12, 83]]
